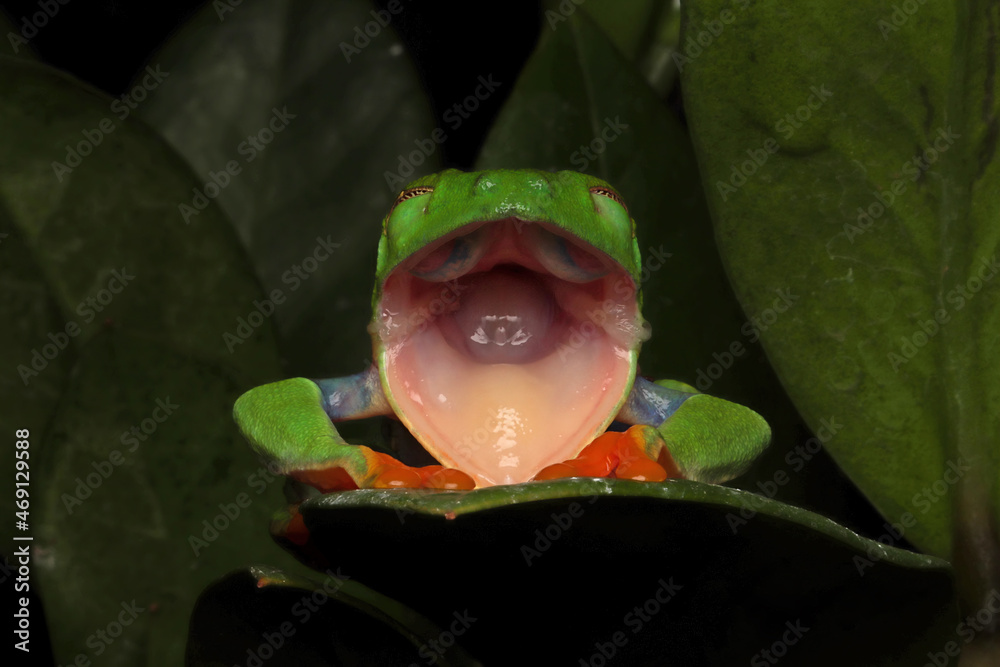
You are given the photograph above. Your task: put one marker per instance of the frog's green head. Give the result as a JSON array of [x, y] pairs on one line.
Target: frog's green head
[[584, 206], [506, 315]]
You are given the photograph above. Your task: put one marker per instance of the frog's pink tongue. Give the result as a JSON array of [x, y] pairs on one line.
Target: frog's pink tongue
[[504, 317]]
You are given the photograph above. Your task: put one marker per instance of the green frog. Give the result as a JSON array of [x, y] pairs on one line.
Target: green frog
[[506, 328]]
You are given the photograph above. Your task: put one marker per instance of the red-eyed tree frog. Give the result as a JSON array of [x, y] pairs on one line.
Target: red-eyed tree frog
[[506, 330]]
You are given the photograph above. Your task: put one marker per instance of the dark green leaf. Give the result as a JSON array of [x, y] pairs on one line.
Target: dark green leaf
[[353, 106], [28, 397], [565, 565], [848, 151], [132, 446], [645, 31], [630, 25], [265, 615]]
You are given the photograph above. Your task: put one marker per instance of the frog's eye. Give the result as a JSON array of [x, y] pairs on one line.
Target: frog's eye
[[452, 259], [410, 194], [610, 194], [563, 257]]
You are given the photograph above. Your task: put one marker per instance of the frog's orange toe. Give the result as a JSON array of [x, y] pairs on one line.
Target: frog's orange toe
[[385, 472], [557, 471], [394, 475], [450, 479], [620, 456], [641, 470], [634, 460], [598, 459], [402, 477]]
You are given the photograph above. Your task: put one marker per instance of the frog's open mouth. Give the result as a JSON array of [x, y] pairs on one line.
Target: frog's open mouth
[[507, 346]]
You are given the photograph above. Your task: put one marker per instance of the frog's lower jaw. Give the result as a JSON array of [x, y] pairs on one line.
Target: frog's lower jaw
[[508, 368]]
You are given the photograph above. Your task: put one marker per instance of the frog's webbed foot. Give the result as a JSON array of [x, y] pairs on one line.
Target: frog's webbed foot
[[711, 439], [382, 471], [391, 474], [290, 423], [638, 454]]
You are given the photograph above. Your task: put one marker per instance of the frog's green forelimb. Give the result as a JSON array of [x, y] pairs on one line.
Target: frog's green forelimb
[[289, 422], [710, 439]]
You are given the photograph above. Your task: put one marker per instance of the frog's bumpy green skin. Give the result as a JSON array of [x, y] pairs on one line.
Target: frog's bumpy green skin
[[710, 439], [287, 423], [563, 199], [291, 422]]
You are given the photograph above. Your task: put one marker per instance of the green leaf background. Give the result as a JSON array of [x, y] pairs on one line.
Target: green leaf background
[[158, 339], [881, 206], [686, 114], [323, 175]]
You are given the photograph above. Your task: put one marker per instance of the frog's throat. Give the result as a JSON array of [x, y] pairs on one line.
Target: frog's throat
[[497, 365]]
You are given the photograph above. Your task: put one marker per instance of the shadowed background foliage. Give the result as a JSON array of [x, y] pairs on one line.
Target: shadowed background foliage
[[232, 66]]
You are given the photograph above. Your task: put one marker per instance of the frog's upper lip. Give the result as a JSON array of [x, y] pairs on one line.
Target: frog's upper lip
[[537, 246]]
